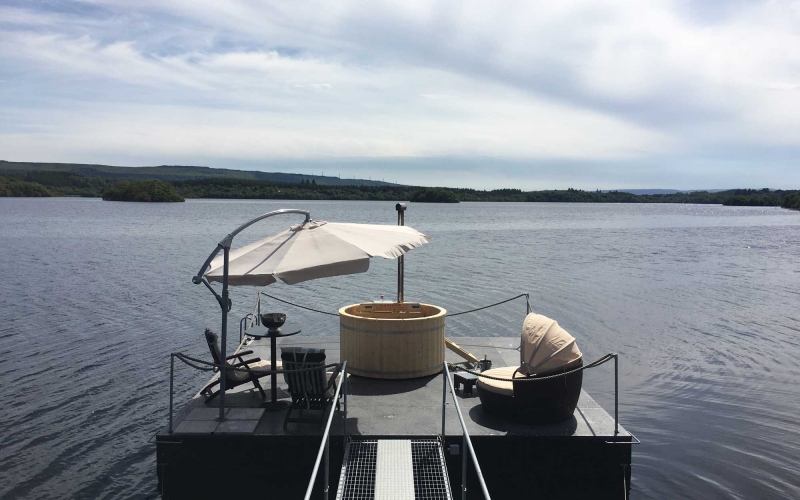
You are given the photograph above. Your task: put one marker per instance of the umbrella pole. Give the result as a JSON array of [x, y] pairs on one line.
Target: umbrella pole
[[224, 301], [226, 305]]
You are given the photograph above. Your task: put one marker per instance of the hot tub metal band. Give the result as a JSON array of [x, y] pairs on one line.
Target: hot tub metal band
[[425, 371]]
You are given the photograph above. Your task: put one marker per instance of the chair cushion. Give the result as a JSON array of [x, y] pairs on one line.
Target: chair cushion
[[213, 345], [260, 366], [498, 386], [545, 346]]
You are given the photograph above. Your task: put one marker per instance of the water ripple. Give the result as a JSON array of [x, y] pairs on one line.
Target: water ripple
[[700, 301]]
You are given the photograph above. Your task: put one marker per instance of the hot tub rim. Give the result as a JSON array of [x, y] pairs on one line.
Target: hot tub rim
[[442, 313]]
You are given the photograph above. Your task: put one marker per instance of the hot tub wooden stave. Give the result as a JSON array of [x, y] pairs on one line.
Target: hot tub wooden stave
[[392, 345]]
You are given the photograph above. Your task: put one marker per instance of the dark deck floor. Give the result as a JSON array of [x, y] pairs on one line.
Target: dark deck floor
[[402, 408]]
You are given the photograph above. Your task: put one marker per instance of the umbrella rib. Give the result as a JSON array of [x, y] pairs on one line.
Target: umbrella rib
[[369, 256], [272, 253]]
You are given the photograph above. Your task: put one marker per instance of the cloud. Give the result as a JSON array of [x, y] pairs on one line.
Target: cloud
[[612, 84]]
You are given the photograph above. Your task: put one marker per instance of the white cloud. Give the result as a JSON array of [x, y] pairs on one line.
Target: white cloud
[[239, 80], [83, 57]]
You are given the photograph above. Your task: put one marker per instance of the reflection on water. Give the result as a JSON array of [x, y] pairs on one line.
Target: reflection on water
[[701, 302]]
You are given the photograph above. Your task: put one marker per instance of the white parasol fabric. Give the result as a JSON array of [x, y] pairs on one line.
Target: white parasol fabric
[[545, 346], [315, 249]]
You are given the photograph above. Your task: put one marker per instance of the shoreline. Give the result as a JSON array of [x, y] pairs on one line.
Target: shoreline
[[100, 198]]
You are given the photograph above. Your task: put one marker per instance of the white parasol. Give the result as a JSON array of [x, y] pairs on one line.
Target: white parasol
[[314, 249]]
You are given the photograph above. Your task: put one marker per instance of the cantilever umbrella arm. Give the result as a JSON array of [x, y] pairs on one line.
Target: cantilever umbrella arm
[[216, 295], [224, 301], [226, 242]]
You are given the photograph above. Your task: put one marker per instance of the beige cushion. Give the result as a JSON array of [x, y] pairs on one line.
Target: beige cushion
[[545, 346], [263, 365], [497, 386]]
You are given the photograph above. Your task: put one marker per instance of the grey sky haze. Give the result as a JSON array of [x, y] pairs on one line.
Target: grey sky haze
[[587, 94]]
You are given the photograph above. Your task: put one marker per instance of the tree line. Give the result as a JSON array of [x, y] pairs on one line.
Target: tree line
[[59, 183]]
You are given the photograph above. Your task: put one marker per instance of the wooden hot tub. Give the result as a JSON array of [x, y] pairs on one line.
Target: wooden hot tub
[[392, 341]]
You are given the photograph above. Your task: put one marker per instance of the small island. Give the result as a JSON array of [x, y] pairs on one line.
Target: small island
[[792, 201], [18, 188], [148, 190]]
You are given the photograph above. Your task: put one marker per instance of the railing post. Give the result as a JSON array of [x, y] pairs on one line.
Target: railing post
[[324, 449], [466, 444], [445, 375], [616, 394], [464, 466], [344, 419], [326, 473], [171, 378], [258, 304]]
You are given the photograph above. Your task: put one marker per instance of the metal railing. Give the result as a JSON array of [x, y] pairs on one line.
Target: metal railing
[[466, 442], [608, 357], [323, 455], [634, 439], [243, 327], [254, 317]]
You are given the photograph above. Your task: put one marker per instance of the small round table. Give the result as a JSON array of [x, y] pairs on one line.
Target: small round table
[[259, 332]]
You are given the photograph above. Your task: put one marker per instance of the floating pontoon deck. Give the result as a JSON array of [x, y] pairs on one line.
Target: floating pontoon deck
[[394, 443]]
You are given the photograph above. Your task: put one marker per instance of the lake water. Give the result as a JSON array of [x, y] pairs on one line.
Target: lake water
[[701, 302]]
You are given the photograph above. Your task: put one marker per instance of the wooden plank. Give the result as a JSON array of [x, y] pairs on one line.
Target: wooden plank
[[460, 351]]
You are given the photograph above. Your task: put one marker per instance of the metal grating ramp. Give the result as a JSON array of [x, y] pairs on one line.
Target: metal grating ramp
[[430, 473], [394, 469]]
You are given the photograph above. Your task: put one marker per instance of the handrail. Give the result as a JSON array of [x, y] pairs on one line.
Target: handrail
[[254, 317], [243, 328], [598, 362], [466, 441], [324, 448]]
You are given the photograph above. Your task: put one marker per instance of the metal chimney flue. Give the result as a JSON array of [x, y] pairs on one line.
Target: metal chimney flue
[[401, 221]]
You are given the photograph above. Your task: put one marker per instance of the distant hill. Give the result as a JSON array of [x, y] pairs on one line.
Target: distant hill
[[179, 173], [70, 179]]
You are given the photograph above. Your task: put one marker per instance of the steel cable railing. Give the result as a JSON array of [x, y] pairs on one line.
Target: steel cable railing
[[527, 301]]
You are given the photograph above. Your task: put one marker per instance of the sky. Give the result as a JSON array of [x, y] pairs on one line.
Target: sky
[[525, 94]]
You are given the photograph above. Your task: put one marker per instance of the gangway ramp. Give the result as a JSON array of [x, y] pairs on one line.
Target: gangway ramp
[[394, 469]]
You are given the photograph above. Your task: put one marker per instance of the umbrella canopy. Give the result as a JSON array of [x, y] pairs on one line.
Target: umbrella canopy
[[315, 249]]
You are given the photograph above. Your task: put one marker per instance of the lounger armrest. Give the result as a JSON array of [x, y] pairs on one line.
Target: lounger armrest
[[245, 363], [334, 374], [239, 354]]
